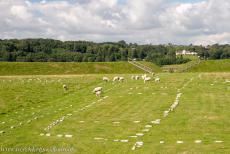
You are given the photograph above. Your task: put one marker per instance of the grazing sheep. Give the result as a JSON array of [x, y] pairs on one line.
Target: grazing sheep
[[97, 89], [152, 73], [147, 79], [157, 79], [133, 77], [98, 93], [116, 78], [106, 79], [65, 87], [1, 132], [143, 76], [137, 77], [121, 79]]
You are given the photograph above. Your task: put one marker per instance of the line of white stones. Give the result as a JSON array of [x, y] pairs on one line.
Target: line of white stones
[[148, 126], [20, 124], [140, 143], [38, 116], [62, 118]]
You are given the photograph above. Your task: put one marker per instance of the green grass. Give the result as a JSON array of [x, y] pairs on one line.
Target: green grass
[[212, 66], [192, 57], [203, 113], [203, 66], [55, 68], [180, 67], [153, 66]]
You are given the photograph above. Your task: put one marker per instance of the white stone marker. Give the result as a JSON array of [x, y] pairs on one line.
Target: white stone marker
[[219, 141], [140, 134], [48, 134], [198, 141], [124, 140], [179, 142], [68, 136], [59, 135]]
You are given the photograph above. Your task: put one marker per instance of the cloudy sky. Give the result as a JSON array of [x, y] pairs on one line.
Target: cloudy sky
[[141, 21]]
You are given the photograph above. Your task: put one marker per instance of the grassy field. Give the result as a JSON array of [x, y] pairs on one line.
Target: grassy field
[[180, 67], [29, 104], [192, 57], [55, 68], [212, 66], [203, 66], [154, 67]]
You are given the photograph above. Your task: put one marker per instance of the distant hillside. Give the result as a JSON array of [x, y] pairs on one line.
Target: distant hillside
[[212, 66], [55, 68], [153, 66], [182, 67], [200, 66]]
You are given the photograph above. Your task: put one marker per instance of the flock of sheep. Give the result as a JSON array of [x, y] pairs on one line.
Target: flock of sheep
[[145, 78], [134, 77], [98, 90]]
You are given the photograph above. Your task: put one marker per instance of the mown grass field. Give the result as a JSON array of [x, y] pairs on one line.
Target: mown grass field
[[202, 66], [60, 68], [102, 125], [212, 66]]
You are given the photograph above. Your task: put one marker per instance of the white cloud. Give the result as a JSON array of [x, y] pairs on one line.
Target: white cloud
[[222, 38], [141, 21], [20, 11]]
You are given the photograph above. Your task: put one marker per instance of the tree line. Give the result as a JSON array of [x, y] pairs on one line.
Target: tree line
[[49, 50]]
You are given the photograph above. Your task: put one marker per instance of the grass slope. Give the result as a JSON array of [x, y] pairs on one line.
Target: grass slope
[[203, 113], [179, 67], [153, 66], [203, 66], [212, 66], [55, 68]]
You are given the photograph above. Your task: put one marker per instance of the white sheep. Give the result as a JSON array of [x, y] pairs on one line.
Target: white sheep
[[137, 77], [98, 93], [133, 77], [147, 79], [106, 79], [97, 89], [65, 87], [143, 76], [121, 79], [157, 79], [116, 78]]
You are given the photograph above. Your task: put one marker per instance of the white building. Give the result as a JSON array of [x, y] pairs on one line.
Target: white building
[[185, 52]]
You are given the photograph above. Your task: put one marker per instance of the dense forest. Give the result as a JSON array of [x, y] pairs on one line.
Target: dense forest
[[46, 50]]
